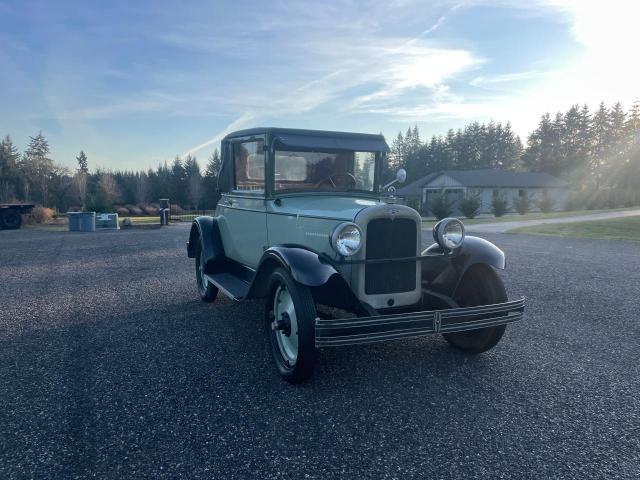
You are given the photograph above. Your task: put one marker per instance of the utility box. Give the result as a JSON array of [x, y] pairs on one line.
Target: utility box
[[107, 221], [74, 221], [82, 221]]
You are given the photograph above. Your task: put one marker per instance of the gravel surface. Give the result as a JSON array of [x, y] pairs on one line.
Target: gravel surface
[[111, 367]]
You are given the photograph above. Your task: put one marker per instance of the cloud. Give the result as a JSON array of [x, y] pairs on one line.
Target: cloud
[[485, 80], [330, 67], [239, 122]]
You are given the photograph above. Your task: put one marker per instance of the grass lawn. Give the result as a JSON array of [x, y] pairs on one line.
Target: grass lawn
[[627, 228], [515, 217]]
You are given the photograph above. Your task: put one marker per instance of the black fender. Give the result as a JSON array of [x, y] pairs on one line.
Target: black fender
[[206, 231], [443, 271], [307, 268]]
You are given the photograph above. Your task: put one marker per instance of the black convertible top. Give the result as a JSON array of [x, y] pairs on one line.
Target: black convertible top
[[295, 137]]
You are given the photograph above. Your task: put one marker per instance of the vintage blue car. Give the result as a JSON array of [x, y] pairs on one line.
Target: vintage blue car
[[305, 223]]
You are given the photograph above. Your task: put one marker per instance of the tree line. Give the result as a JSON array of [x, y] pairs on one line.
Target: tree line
[[32, 176], [594, 151]]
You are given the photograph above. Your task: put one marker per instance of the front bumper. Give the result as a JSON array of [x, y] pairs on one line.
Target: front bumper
[[362, 330]]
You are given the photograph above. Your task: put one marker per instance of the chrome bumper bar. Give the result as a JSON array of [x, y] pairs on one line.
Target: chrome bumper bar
[[354, 331]]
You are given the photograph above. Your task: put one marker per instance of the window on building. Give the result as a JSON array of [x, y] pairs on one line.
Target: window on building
[[248, 158]]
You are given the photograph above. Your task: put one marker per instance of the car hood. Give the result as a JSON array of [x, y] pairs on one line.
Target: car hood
[[329, 206]]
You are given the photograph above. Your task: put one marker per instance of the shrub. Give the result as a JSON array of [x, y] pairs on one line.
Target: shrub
[[41, 214], [545, 204], [133, 210], [522, 204], [413, 202], [576, 201], [499, 205], [122, 211], [176, 209], [439, 206], [470, 205], [630, 198], [97, 203], [148, 209]]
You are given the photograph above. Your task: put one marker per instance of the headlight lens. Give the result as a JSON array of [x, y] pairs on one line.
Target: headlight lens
[[449, 233], [346, 239]]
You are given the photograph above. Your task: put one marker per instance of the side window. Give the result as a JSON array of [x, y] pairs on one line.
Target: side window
[[248, 160]]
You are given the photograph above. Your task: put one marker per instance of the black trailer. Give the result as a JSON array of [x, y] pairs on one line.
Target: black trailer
[[11, 214]]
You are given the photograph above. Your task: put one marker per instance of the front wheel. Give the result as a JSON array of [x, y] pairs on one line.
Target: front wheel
[[290, 316], [480, 286]]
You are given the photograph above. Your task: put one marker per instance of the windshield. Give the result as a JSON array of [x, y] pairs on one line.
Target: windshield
[[324, 171]]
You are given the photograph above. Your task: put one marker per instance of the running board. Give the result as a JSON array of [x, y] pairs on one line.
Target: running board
[[234, 282]]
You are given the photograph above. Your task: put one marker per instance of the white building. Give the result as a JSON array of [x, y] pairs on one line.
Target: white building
[[486, 184]]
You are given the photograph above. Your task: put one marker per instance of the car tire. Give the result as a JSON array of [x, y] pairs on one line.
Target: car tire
[[11, 220], [479, 286], [293, 351], [207, 290]]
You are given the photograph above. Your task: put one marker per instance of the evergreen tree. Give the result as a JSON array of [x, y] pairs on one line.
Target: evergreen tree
[[37, 169], [83, 166], [178, 182], [601, 135], [210, 180], [9, 159]]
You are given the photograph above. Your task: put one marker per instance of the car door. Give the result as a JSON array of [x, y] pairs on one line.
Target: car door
[[244, 218]]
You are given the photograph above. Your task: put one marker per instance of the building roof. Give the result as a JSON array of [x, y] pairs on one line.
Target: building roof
[[488, 178]]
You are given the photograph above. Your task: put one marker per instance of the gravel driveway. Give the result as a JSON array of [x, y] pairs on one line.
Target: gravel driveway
[[111, 367]]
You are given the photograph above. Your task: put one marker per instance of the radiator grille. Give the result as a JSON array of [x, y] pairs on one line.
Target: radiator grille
[[387, 238]]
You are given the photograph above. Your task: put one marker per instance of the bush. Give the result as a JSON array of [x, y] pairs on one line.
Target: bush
[[41, 214], [149, 210], [630, 198], [122, 211], [176, 209], [133, 210], [439, 206], [470, 205], [97, 203], [413, 202], [499, 205], [522, 204], [545, 204]]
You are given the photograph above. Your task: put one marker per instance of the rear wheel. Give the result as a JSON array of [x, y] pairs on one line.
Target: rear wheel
[[11, 220], [480, 286], [207, 290], [290, 317]]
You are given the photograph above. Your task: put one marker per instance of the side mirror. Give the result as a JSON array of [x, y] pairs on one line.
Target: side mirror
[[401, 176]]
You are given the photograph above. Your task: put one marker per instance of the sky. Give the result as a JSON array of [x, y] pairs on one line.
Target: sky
[[134, 83]]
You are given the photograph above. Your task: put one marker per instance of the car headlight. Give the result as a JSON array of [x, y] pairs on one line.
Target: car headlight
[[449, 233], [346, 239]]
